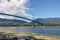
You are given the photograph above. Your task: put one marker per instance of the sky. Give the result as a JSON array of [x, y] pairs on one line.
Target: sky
[[14, 7], [45, 8], [30, 8]]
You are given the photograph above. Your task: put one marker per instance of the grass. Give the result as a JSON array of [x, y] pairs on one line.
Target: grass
[[32, 35], [47, 37]]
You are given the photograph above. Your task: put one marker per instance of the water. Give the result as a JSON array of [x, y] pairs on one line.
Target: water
[[37, 30]]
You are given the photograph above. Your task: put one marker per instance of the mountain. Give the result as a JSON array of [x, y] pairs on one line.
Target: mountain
[[40, 20], [48, 20], [11, 21]]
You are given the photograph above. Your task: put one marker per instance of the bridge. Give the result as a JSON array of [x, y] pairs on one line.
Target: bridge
[[35, 22]]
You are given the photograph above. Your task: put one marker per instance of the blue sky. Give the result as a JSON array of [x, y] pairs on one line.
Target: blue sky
[[45, 8], [37, 8]]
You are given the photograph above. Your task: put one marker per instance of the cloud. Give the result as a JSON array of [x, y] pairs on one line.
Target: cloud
[[14, 7]]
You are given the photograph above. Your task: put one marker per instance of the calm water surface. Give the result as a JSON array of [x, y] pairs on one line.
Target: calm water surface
[[37, 30]]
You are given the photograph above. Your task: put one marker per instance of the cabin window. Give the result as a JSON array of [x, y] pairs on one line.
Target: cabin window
[[18, 0], [22, 39], [0, 1], [8, 0]]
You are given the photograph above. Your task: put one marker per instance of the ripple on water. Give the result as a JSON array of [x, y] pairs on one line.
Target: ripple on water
[[37, 30]]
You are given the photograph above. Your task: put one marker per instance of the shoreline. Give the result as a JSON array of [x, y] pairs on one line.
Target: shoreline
[[31, 35]]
